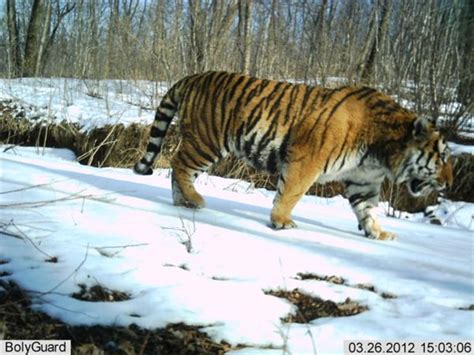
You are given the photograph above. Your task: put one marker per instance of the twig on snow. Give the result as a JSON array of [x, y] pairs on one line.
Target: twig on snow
[[83, 261], [103, 252], [20, 235]]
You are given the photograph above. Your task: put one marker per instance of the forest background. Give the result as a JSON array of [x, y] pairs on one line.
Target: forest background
[[418, 50]]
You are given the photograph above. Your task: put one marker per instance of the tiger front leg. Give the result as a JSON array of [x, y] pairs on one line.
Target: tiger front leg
[[369, 224], [363, 197]]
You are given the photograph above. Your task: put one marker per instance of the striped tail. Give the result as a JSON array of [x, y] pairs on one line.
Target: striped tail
[[163, 116]]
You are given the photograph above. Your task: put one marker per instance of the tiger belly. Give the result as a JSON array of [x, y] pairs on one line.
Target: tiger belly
[[260, 152]]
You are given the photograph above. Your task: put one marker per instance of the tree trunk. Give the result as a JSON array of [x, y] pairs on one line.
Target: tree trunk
[[34, 37], [43, 44], [197, 55], [111, 38], [375, 38], [244, 38], [466, 77], [14, 64]]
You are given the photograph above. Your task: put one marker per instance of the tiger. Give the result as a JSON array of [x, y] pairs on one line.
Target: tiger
[[304, 134]]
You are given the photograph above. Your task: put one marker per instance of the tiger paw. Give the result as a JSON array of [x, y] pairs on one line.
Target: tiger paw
[[282, 224], [142, 169], [196, 203], [193, 204], [387, 236], [381, 235]]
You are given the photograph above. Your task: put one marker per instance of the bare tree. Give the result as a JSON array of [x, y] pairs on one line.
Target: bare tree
[[219, 23], [53, 19], [197, 37], [376, 36], [466, 49], [35, 37], [244, 35], [14, 56], [44, 39], [111, 37]]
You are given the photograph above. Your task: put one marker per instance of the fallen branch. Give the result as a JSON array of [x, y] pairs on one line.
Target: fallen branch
[[26, 188], [75, 196]]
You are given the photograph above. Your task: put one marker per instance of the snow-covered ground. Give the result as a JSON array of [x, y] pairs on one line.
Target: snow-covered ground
[[460, 148], [89, 103], [211, 267]]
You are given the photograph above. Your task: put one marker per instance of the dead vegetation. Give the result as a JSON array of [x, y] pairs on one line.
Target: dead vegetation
[[105, 146], [337, 280], [19, 321], [310, 307], [99, 293]]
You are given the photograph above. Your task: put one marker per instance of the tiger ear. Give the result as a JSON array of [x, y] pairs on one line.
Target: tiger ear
[[421, 128]]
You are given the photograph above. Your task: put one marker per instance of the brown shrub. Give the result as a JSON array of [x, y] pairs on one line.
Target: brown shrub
[[463, 186], [400, 199]]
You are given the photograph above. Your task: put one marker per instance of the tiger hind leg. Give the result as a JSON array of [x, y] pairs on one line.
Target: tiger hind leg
[[293, 183], [187, 166], [191, 198]]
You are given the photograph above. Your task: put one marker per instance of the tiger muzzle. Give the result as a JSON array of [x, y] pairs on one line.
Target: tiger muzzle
[[418, 187]]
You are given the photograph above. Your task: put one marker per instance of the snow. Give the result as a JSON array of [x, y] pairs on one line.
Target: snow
[[460, 148], [88, 103], [211, 267]]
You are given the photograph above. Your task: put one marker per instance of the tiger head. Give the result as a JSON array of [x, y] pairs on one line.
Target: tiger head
[[427, 165]]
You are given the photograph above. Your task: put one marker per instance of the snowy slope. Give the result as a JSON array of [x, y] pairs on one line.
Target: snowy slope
[[211, 267], [88, 103]]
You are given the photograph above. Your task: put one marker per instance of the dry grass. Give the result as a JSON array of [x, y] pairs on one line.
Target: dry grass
[[19, 321], [462, 189], [337, 280], [310, 307]]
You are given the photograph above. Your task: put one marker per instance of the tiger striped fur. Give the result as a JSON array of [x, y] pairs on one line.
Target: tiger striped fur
[[356, 135]]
